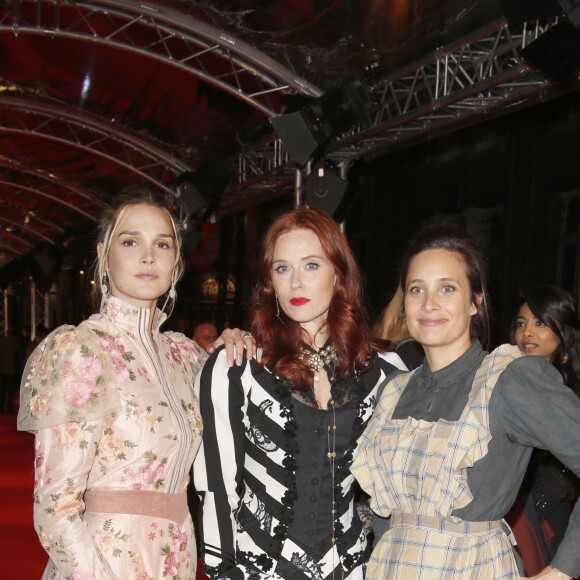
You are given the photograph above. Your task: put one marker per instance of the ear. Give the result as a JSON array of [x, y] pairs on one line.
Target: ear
[[475, 305]]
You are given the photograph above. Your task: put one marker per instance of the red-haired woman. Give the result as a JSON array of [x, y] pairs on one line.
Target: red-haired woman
[[277, 497]]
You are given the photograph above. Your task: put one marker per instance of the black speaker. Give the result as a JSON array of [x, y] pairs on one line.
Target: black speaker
[[326, 190], [304, 132], [301, 132], [556, 52], [196, 189]]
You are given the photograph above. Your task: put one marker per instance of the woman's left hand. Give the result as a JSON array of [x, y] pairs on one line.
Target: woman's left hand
[[235, 340], [549, 573]]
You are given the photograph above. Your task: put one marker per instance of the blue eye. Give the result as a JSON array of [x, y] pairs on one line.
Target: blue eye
[[311, 266], [446, 289], [281, 268]]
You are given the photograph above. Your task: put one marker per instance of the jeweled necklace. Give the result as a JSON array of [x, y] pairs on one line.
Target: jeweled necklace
[[315, 360]]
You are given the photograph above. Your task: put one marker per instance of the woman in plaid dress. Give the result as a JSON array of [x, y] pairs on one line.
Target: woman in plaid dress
[[448, 446]]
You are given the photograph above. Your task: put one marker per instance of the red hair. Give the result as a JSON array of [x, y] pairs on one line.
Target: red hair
[[347, 324]]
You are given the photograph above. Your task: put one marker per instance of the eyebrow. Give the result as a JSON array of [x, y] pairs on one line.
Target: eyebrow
[[137, 233], [447, 279], [313, 256]]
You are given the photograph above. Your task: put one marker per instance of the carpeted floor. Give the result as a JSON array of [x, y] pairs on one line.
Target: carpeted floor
[[23, 557]]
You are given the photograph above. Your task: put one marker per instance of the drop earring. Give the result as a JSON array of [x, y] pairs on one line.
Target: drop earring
[[105, 284], [172, 292], [277, 305]]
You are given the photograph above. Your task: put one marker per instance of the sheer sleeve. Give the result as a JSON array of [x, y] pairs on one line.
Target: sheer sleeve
[[67, 379]]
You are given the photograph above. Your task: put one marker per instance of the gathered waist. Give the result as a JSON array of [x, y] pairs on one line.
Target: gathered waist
[[442, 524], [170, 506]]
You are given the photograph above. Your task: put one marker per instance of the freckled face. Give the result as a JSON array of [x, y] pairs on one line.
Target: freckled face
[[142, 256], [303, 278], [438, 304], [533, 336]]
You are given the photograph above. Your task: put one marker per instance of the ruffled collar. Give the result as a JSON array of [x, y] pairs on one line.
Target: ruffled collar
[[126, 315]]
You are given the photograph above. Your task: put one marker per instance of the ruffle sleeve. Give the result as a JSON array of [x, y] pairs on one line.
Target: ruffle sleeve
[[67, 379]]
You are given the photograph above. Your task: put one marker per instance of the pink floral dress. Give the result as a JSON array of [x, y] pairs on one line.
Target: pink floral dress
[[112, 409]]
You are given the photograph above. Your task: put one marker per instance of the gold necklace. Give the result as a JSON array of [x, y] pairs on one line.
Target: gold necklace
[[315, 360], [331, 440]]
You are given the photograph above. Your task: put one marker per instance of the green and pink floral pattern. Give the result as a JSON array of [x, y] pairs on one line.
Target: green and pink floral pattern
[[112, 408]]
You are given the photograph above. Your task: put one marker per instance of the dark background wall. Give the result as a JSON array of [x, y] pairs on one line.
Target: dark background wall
[[514, 182]]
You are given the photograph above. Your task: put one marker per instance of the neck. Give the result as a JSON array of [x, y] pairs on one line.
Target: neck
[[317, 341], [439, 357]]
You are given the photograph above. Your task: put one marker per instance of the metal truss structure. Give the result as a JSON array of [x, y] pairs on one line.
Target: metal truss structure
[[71, 127], [32, 181], [164, 33], [157, 31], [461, 84]]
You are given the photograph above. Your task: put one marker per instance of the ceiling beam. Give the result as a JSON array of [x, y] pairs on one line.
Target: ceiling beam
[[53, 187], [70, 126], [165, 33], [467, 82]]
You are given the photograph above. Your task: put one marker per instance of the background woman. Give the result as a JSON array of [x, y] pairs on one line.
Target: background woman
[[448, 446], [116, 420], [393, 327], [546, 325], [276, 494]]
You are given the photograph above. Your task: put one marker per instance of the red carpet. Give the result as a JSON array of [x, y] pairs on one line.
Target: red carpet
[[24, 558]]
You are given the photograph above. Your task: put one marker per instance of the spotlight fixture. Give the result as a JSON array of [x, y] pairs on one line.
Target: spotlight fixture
[[305, 132], [196, 190]]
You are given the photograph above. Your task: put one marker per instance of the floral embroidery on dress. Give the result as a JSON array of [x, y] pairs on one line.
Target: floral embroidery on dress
[[175, 554], [193, 417], [68, 504], [57, 545], [106, 415], [109, 540], [73, 434]]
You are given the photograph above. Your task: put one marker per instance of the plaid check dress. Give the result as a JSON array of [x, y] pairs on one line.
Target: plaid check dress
[[416, 471]]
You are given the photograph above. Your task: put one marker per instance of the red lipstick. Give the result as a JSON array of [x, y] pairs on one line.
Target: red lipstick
[[299, 301]]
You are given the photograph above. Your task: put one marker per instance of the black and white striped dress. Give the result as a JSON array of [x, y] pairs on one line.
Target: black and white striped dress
[[248, 478]]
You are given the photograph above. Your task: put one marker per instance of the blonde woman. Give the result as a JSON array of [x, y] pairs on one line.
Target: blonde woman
[[115, 417]]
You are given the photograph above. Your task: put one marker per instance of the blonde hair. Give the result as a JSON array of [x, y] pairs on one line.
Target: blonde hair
[[109, 223], [393, 326]]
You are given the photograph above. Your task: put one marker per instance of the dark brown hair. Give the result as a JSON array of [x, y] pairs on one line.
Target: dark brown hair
[[457, 240]]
